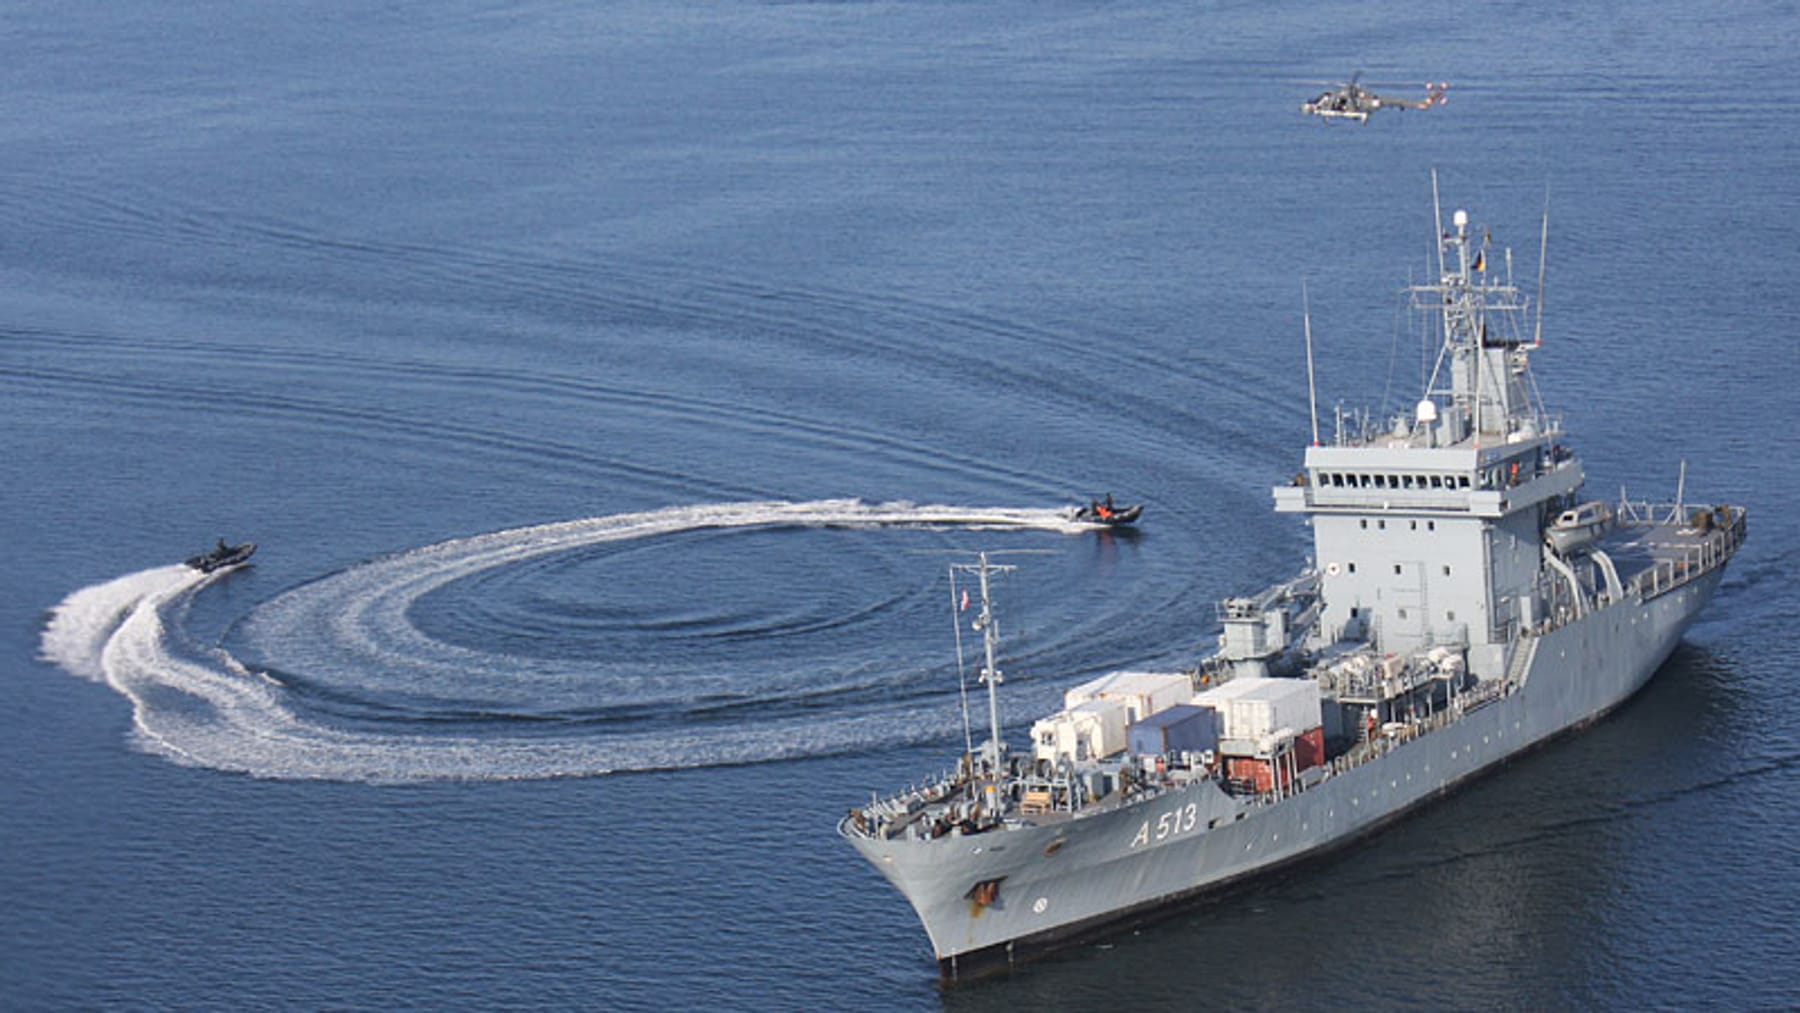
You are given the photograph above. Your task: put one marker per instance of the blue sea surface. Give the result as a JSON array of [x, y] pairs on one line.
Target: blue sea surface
[[609, 386]]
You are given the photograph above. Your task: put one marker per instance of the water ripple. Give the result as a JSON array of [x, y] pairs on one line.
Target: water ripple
[[364, 693]]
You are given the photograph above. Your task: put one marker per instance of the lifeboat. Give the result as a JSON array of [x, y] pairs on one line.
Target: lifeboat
[[1578, 526]]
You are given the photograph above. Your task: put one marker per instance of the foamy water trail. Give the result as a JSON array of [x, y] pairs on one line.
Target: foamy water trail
[[206, 708], [80, 627]]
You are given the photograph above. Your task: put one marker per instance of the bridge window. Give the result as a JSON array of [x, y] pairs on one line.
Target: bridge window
[[1396, 569]]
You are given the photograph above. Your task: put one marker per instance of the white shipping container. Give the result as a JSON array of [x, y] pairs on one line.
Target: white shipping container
[[1272, 705], [1143, 693], [1218, 700], [1087, 731], [1217, 696], [1089, 690], [1045, 732]]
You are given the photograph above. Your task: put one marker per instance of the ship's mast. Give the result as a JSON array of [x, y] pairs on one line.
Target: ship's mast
[[989, 627], [1489, 381]]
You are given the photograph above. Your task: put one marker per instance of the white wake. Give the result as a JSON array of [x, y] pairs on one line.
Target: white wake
[[205, 708]]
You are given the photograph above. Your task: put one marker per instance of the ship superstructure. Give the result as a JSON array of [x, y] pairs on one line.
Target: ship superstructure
[[1465, 603]]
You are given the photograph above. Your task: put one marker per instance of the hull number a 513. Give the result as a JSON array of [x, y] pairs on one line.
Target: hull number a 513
[[1175, 821]]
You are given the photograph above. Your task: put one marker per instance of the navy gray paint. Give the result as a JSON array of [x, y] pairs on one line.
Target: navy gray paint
[[1430, 537]]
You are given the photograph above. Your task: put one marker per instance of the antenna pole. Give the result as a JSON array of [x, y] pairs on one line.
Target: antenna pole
[[990, 636], [962, 680], [1473, 322], [1437, 213], [1312, 391], [1537, 337]]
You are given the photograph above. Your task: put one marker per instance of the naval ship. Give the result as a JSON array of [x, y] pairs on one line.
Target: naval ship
[[1464, 602]]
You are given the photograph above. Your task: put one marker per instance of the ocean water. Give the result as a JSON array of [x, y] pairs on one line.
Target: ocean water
[[609, 387]]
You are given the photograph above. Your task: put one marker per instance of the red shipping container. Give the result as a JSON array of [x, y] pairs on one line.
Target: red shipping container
[[1309, 749], [1244, 768], [1308, 752]]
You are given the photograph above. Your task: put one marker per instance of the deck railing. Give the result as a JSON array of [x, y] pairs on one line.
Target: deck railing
[[1719, 543]]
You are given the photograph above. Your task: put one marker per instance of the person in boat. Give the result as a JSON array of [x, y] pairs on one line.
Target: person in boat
[[222, 548], [1105, 510]]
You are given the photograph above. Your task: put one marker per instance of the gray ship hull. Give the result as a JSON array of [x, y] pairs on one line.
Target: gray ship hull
[[1064, 881]]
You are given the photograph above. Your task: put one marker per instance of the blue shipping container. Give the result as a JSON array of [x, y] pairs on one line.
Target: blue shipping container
[[1182, 728]]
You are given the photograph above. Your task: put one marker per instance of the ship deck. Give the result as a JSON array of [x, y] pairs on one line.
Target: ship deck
[[1655, 555]]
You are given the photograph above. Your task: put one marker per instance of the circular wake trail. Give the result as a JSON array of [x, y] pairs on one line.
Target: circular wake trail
[[203, 707]]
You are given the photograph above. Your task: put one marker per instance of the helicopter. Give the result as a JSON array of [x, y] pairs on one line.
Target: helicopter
[[1349, 100]]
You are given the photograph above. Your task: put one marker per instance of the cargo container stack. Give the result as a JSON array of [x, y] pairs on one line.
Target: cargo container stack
[[1097, 714], [1270, 730], [1183, 728], [1142, 693]]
